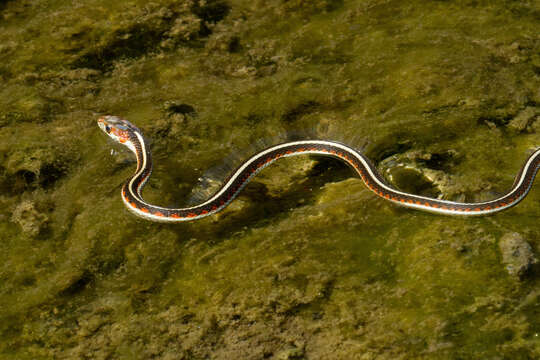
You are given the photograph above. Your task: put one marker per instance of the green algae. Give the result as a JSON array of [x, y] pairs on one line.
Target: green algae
[[307, 263]]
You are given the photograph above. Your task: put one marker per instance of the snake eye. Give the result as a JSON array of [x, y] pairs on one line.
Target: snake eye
[[107, 129]]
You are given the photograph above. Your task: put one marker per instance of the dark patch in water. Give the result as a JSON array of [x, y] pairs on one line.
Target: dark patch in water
[[180, 108], [78, 285], [298, 111]]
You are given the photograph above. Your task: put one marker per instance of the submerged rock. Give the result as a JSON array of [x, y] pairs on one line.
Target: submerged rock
[[421, 172], [517, 254], [524, 119], [290, 354], [29, 218]]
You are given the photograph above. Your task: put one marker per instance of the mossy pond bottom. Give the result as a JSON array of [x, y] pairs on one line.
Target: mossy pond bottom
[[307, 263]]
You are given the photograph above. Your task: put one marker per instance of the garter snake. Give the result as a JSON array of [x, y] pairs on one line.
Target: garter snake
[[129, 135]]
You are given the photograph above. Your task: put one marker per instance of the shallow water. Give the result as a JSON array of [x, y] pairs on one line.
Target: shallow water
[[306, 263]]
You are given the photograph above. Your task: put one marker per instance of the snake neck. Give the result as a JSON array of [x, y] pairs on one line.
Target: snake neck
[[144, 164]]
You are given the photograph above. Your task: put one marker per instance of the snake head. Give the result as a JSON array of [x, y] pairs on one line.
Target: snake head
[[118, 129]]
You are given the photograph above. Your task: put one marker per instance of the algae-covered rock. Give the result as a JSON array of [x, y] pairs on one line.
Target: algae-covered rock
[[30, 219], [420, 172], [517, 255], [293, 353], [524, 119]]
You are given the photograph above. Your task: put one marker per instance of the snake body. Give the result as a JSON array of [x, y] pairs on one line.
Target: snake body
[[129, 135]]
